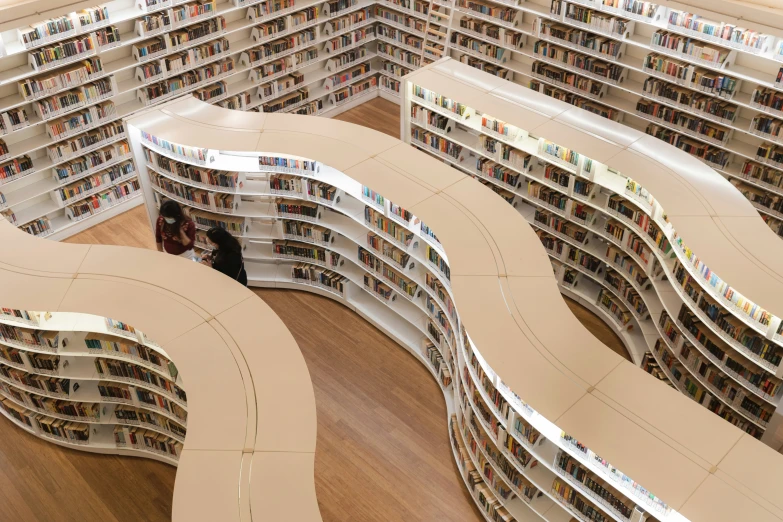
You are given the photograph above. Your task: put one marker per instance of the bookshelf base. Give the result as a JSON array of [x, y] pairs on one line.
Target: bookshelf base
[[331, 112], [389, 97]]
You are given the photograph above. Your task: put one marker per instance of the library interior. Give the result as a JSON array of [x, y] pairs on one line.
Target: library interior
[[255, 263]]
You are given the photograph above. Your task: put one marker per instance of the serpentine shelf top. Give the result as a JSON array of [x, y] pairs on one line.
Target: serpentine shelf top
[[246, 450], [508, 301], [249, 455]]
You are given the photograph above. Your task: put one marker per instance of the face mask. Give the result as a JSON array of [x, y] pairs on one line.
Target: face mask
[[170, 221]]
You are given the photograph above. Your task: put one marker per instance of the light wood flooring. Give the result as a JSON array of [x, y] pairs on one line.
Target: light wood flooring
[[383, 450]]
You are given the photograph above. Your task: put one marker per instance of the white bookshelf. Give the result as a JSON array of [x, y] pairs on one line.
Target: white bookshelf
[[631, 294], [215, 350], [51, 385]]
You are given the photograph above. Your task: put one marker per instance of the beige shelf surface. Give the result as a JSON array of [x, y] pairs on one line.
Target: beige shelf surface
[[287, 423], [144, 266], [534, 300], [216, 423], [43, 256], [393, 185], [207, 486], [429, 172], [128, 301], [499, 224], [469, 252]]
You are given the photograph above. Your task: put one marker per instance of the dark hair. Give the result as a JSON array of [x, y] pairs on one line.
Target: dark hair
[[171, 209], [224, 240]]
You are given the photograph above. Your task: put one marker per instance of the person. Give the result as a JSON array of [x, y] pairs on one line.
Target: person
[[175, 232], [226, 255]]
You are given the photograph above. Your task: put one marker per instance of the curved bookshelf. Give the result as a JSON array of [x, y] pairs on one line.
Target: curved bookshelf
[[612, 245], [369, 241], [60, 371], [236, 446]]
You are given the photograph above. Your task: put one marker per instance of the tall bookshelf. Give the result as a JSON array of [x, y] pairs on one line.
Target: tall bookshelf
[[612, 245], [91, 383], [63, 163], [403, 239]]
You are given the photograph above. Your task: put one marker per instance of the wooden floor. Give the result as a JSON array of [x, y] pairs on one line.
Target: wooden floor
[[378, 114], [383, 451]]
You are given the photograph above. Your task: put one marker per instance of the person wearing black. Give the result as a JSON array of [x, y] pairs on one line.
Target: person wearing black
[[226, 255]]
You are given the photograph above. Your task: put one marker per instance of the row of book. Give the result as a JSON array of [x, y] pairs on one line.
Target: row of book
[[42, 383], [73, 75], [702, 128], [192, 173], [138, 416], [121, 393], [61, 53], [151, 94], [91, 161], [688, 46], [55, 407], [147, 440], [713, 30], [118, 347], [553, 74], [708, 153], [111, 368], [82, 143], [723, 355], [598, 21], [43, 339], [573, 36], [485, 498], [693, 388], [746, 338], [59, 27], [81, 121], [559, 55], [707, 105]]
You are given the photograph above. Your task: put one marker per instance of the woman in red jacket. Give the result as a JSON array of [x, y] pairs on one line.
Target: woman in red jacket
[[175, 232]]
